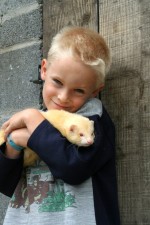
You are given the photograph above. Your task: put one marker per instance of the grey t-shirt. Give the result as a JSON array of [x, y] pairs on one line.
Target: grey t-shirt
[[40, 199]]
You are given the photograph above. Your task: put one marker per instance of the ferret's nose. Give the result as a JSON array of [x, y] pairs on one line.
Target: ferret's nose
[[90, 141]]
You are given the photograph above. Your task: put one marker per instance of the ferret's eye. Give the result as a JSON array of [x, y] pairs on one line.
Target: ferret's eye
[[81, 135]]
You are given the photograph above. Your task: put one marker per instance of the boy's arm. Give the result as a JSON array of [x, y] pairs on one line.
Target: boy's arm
[[11, 161], [10, 171], [68, 162], [65, 160], [28, 118]]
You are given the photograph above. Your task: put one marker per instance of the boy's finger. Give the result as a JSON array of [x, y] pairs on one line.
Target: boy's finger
[[5, 125]]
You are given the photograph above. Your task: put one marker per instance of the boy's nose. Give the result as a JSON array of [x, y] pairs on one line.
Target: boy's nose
[[63, 96]]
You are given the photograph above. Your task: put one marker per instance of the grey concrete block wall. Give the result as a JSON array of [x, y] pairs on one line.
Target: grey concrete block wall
[[17, 69], [22, 30], [20, 55]]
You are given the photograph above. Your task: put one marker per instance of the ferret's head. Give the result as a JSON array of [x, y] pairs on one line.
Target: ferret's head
[[81, 132]]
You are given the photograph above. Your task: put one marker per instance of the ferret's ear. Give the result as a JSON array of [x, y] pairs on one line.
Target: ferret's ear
[[92, 122], [73, 128]]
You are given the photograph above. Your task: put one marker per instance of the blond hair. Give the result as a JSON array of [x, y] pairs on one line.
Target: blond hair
[[83, 44]]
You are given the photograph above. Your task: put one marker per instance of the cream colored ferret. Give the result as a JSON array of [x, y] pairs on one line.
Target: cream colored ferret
[[77, 129]]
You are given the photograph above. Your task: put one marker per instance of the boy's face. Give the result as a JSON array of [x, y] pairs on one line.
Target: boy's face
[[68, 84]]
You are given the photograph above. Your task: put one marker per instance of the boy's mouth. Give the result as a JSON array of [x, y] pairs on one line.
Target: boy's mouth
[[60, 106]]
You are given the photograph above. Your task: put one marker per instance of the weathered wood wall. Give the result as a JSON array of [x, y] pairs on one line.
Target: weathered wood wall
[[125, 24], [60, 13]]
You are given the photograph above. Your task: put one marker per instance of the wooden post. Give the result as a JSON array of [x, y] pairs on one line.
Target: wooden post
[[125, 24], [58, 13]]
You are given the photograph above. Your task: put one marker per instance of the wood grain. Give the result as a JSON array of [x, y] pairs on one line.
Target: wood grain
[[60, 13], [126, 26]]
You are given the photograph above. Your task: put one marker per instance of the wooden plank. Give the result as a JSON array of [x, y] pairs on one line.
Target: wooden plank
[[145, 111], [126, 26], [58, 13]]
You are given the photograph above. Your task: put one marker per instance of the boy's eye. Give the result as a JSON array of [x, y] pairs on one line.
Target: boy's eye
[[57, 81], [80, 91]]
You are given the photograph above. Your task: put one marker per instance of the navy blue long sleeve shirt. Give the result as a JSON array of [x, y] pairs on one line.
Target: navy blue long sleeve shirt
[[73, 165]]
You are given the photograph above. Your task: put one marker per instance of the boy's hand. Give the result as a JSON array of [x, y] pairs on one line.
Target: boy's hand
[[20, 137], [20, 126], [14, 123], [28, 118]]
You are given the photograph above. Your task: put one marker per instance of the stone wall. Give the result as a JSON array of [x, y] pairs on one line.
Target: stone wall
[[20, 55]]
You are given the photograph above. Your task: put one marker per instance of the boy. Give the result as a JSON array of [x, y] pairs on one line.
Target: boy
[[69, 185]]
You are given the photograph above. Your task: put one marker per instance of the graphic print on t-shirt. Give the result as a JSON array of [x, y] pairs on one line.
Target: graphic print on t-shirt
[[40, 187]]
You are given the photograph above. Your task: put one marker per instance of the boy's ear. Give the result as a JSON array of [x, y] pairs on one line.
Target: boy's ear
[[43, 69], [95, 93]]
